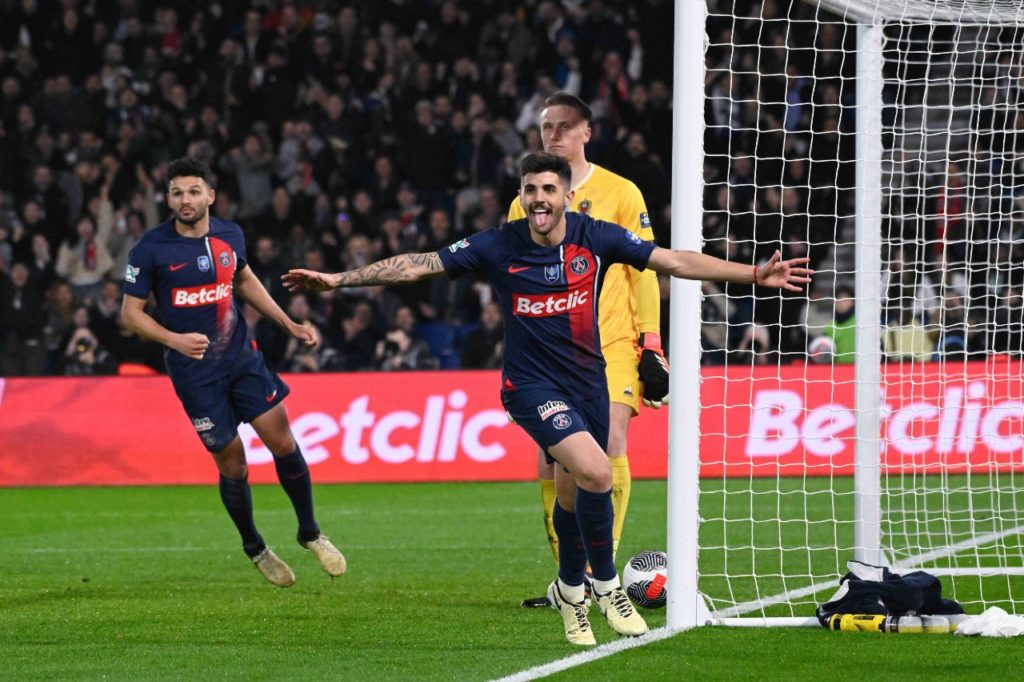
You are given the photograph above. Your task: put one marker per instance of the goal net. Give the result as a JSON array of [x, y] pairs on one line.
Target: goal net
[[879, 415]]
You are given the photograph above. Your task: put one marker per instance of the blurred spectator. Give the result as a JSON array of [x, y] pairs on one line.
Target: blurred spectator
[[277, 217], [105, 311], [251, 165], [906, 339], [299, 357], [842, 327], [265, 261], [402, 348], [41, 264], [482, 348], [355, 339], [85, 261], [1008, 336], [297, 158], [83, 353], [22, 319], [428, 164], [395, 238], [6, 252], [127, 233]]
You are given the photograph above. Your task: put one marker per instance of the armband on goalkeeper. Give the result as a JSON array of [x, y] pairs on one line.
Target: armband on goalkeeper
[[653, 371]]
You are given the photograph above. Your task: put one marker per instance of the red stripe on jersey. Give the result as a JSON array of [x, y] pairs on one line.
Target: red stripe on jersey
[[224, 267], [580, 272]]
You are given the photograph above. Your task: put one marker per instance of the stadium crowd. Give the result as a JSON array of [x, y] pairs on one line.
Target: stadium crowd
[[341, 132], [344, 132], [780, 173]]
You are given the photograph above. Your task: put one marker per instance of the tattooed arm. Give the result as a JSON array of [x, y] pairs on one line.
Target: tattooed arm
[[409, 267]]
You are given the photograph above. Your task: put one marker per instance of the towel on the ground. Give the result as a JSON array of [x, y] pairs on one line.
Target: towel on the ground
[[994, 622]]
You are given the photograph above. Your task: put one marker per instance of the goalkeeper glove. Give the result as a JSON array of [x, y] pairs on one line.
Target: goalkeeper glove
[[653, 371]]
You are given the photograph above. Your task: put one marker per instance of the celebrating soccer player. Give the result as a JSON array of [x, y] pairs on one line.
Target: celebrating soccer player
[[547, 272], [193, 264], [629, 309]]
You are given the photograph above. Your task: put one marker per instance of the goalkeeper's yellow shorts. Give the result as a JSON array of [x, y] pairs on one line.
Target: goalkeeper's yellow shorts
[[623, 378]]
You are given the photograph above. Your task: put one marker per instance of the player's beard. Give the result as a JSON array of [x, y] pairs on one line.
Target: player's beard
[[197, 215]]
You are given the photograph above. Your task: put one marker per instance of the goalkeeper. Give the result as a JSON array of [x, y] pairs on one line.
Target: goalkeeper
[[628, 310]]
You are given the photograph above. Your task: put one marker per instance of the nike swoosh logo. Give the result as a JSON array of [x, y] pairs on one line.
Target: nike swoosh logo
[[179, 266], [513, 269], [271, 396]]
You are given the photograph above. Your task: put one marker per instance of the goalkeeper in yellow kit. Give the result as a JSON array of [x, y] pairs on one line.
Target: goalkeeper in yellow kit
[[628, 310]]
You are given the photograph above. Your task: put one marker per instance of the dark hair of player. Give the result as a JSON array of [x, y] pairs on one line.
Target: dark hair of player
[[188, 167], [542, 162], [564, 99]]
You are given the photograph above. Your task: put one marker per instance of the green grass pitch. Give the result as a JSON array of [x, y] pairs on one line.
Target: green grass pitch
[[150, 583]]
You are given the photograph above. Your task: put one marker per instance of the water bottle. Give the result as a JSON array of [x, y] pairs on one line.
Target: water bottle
[[863, 622]]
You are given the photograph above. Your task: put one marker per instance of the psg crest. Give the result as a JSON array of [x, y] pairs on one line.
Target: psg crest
[[225, 259], [579, 265]]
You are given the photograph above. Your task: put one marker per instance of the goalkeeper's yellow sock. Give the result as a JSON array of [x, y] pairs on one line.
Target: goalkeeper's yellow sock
[[547, 497], [621, 483]]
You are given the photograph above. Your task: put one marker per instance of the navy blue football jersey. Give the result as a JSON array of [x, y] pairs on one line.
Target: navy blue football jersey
[[192, 279], [548, 295]]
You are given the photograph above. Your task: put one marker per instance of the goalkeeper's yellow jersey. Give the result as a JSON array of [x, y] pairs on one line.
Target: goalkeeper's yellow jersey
[[630, 302]]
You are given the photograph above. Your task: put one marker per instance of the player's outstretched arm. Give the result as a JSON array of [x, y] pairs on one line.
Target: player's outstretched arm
[[774, 273], [136, 319], [253, 291], [404, 269]]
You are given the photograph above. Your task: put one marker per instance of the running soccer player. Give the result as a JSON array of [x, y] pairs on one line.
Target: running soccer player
[[629, 309], [547, 272], [193, 264]]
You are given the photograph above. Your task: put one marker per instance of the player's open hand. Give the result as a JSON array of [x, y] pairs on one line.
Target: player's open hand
[[306, 334], [310, 280], [193, 345], [783, 274]]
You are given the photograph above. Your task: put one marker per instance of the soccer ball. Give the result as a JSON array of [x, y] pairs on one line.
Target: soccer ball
[[821, 350], [645, 578]]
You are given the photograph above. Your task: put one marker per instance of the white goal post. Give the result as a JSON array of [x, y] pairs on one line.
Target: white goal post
[[879, 416]]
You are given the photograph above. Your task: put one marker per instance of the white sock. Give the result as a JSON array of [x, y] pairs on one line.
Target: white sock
[[571, 593], [606, 586]]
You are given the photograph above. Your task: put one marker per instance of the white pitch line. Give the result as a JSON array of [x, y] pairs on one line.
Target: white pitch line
[[584, 657], [781, 597], [976, 541]]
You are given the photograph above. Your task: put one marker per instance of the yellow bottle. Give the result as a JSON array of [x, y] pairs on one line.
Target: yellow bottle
[[863, 622]]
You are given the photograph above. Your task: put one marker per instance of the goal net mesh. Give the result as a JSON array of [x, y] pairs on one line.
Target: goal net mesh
[[778, 448]]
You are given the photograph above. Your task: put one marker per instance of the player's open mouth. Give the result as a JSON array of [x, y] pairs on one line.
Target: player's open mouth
[[540, 216]]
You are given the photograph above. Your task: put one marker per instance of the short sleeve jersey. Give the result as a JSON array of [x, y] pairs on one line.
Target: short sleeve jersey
[[603, 195], [192, 280], [549, 296]]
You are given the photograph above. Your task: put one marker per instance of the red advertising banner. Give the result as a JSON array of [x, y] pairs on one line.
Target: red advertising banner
[[799, 420], [450, 426], [420, 426]]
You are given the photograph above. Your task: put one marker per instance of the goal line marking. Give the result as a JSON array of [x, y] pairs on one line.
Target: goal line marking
[[584, 657]]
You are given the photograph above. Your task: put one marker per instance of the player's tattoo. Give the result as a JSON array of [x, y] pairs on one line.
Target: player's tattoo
[[408, 267]]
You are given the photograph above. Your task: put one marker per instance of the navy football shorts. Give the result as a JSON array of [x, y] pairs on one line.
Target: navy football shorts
[[217, 408], [548, 415]]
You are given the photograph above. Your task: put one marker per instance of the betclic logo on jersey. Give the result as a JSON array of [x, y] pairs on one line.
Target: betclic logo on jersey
[[191, 297], [546, 305]]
